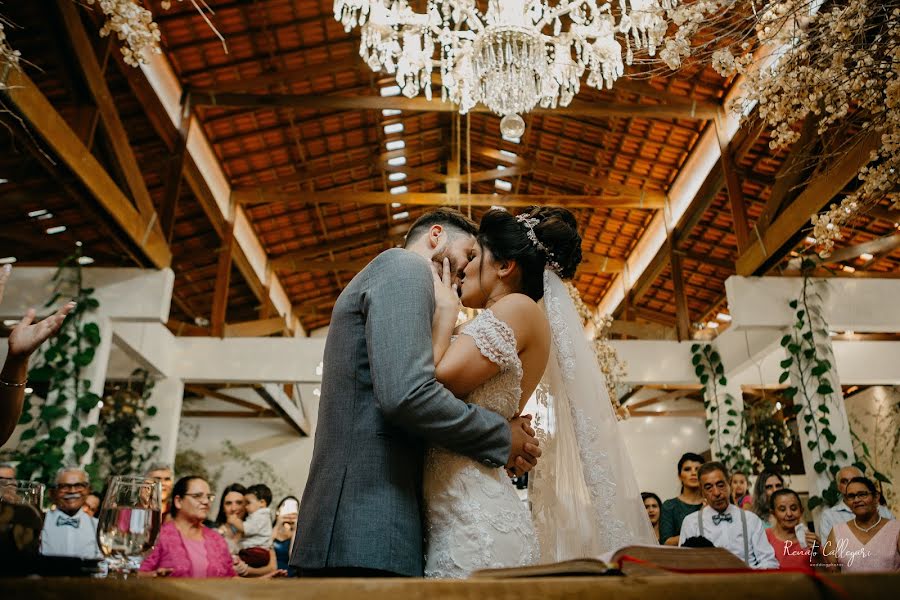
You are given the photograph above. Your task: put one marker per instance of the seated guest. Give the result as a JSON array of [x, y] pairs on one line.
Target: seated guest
[[740, 485], [283, 532], [7, 471], [867, 542], [674, 510], [792, 541], [766, 485], [841, 512], [725, 525], [68, 530], [92, 504], [185, 547], [166, 476], [653, 505], [232, 510], [256, 541]]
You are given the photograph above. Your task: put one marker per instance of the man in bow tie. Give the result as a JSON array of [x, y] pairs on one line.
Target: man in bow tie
[[68, 530], [725, 525]]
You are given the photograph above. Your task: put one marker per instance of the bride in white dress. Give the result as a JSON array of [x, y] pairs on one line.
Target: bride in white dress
[[584, 497]]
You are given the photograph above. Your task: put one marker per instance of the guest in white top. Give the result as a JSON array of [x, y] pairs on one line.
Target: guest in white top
[[840, 512], [725, 525], [68, 530]]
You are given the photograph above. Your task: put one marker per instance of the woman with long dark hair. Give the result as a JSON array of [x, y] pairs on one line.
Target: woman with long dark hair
[[688, 501], [766, 484]]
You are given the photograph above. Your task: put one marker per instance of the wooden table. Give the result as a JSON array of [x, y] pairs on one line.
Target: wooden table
[[762, 586]]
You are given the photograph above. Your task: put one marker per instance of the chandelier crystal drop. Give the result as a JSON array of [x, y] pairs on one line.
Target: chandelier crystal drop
[[516, 55]]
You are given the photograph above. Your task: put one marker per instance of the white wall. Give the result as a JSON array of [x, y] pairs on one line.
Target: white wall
[[269, 440], [874, 416], [656, 443]]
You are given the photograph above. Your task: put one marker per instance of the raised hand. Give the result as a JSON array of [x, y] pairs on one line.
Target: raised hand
[[27, 336], [446, 299]]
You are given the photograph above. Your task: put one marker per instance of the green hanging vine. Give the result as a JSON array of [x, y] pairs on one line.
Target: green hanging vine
[[711, 373], [812, 390], [56, 419], [125, 444]]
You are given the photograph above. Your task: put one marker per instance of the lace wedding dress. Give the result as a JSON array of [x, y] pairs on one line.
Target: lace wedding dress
[[474, 517], [585, 501]]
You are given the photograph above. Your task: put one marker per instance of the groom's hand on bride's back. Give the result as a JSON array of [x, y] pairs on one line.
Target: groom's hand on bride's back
[[524, 448]]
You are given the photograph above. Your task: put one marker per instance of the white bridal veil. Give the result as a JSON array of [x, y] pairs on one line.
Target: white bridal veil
[[584, 494]]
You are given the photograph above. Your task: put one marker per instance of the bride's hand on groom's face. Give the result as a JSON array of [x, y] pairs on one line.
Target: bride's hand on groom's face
[[524, 449], [446, 300]]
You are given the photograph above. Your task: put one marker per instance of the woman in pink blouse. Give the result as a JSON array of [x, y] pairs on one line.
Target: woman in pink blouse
[[186, 548]]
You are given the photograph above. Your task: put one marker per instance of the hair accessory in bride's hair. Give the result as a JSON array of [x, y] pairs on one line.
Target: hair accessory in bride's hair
[[529, 222]]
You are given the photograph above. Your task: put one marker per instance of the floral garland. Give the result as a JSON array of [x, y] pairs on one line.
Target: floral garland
[[131, 23], [840, 66], [8, 56], [613, 369]]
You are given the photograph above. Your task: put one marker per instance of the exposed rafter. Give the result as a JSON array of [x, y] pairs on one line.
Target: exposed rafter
[[46, 122], [249, 196], [214, 97]]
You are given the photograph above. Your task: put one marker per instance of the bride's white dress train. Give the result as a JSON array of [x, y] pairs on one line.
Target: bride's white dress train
[[474, 517], [584, 495]]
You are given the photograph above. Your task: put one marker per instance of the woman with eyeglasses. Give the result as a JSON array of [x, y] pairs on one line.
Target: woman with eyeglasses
[[186, 548], [867, 542]]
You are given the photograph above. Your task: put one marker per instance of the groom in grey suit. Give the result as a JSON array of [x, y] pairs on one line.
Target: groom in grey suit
[[381, 406]]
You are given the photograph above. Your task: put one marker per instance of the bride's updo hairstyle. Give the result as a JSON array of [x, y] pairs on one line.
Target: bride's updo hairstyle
[[556, 231]]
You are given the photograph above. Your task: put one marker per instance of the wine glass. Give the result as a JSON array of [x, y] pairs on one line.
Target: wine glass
[[129, 521], [21, 517]]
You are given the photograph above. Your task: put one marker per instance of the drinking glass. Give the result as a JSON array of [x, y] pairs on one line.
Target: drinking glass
[[21, 518], [129, 521]]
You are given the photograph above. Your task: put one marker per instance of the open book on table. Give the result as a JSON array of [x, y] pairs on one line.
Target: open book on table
[[652, 560]]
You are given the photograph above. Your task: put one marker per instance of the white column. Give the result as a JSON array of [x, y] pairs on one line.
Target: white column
[[166, 397], [95, 373]]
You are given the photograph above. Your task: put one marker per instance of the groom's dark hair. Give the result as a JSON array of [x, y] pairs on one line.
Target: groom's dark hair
[[450, 218]]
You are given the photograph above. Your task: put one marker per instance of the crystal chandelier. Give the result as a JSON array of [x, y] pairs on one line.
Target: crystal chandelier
[[515, 56]]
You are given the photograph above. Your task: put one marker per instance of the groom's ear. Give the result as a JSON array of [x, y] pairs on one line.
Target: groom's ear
[[434, 235]]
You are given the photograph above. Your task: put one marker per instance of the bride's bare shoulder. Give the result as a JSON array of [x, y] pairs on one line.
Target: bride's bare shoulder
[[520, 312]]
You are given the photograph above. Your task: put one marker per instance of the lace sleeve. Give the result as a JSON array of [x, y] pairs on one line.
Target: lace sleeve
[[494, 338]]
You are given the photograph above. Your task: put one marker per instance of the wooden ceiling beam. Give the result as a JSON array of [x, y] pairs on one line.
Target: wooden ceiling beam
[[44, 120], [266, 413], [817, 193], [214, 97], [878, 246], [223, 284], [733, 184], [249, 197], [292, 261], [258, 328], [109, 114], [217, 395]]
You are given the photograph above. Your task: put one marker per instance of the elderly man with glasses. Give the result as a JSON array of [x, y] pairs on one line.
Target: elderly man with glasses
[[68, 530]]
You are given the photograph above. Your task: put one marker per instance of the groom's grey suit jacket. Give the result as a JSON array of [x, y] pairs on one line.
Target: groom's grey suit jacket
[[380, 405]]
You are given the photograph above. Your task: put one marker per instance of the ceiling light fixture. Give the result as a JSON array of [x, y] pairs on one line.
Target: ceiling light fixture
[[514, 56], [7, 260], [400, 189], [55, 230], [400, 176], [395, 145], [397, 161], [866, 256], [725, 318]]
